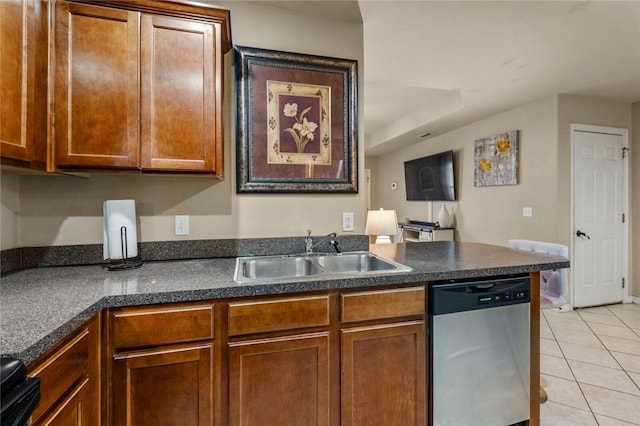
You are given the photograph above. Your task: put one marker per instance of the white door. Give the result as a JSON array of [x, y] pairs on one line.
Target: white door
[[598, 207]]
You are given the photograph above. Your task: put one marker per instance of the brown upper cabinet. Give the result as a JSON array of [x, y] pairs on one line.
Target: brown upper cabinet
[[138, 85], [23, 82]]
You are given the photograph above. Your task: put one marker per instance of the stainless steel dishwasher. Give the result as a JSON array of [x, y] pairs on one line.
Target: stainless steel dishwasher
[[479, 335]]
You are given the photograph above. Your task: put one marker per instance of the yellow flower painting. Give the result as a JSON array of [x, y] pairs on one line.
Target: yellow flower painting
[[496, 160]]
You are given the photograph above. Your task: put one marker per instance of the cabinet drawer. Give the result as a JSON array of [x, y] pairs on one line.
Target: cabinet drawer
[[62, 370], [382, 304], [139, 327], [279, 314], [72, 410]]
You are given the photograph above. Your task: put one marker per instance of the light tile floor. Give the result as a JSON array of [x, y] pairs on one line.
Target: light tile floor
[[590, 366]]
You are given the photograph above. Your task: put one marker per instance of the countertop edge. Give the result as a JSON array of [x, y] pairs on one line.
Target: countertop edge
[[33, 350]]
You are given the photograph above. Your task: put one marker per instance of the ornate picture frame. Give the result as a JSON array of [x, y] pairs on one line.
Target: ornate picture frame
[[296, 122]]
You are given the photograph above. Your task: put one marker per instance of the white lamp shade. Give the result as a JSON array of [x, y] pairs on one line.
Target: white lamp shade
[[382, 222]]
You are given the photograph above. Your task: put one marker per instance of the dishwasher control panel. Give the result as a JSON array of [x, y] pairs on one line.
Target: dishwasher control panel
[[503, 297], [451, 296]]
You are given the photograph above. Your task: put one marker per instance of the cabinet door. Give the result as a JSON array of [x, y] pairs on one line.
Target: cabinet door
[[384, 375], [180, 103], [96, 87], [280, 381], [75, 365], [23, 68], [164, 386], [72, 411]]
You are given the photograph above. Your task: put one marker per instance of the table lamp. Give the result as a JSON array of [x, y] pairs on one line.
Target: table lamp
[[382, 223]]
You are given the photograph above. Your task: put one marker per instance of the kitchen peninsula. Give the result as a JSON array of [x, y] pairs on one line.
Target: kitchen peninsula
[[230, 326]]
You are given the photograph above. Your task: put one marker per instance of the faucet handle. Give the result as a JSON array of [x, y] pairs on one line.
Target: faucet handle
[[308, 242]]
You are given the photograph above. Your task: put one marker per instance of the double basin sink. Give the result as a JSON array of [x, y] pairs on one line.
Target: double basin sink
[[269, 269]]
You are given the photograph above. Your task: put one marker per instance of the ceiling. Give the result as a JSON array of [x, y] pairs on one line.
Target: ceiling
[[433, 66]]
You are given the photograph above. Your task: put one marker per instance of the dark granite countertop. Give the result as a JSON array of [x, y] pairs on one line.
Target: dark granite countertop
[[41, 306]]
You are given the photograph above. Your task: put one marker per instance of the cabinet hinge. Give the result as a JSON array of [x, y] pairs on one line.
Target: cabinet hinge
[[624, 151], [623, 283], [623, 217]]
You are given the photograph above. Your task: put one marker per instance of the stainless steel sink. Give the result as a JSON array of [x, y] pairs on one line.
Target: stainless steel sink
[[355, 262], [268, 269], [276, 267]]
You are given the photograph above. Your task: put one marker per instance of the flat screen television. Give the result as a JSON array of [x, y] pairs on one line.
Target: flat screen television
[[430, 178]]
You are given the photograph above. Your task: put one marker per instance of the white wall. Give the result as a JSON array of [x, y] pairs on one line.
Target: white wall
[[68, 210], [487, 214]]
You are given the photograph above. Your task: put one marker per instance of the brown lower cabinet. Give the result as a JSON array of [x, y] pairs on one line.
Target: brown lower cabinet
[[279, 361], [70, 380], [350, 358], [280, 381], [167, 386], [73, 409], [383, 357], [163, 365], [287, 379], [384, 375]]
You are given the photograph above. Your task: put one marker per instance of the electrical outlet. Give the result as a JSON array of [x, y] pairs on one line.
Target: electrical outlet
[[347, 221], [182, 225], [527, 211]]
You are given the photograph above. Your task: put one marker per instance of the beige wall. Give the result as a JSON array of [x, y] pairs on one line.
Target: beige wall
[[635, 200], [488, 214], [9, 208], [580, 110], [68, 210], [494, 214]]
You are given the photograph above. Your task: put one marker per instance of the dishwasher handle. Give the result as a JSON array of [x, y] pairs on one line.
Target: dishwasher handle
[[481, 288]]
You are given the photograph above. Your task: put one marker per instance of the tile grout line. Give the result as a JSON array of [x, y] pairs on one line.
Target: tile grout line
[[623, 369], [579, 384], [575, 380], [622, 319], [608, 351]]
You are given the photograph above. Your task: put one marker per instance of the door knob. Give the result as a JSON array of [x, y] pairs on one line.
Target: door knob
[[582, 234]]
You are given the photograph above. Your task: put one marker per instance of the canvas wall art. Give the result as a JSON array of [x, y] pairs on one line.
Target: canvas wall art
[[496, 160]]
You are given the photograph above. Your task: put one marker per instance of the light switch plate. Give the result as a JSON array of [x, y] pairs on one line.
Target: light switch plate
[[182, 225], [347, 221]]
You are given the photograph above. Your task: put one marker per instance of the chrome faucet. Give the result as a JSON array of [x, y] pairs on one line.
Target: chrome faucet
[[309, 246]]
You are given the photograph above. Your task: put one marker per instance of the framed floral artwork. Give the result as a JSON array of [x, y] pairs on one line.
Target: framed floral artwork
[[496, 160], [297, 122]]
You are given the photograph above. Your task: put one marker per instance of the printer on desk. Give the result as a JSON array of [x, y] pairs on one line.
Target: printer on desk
[[419, 231]]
